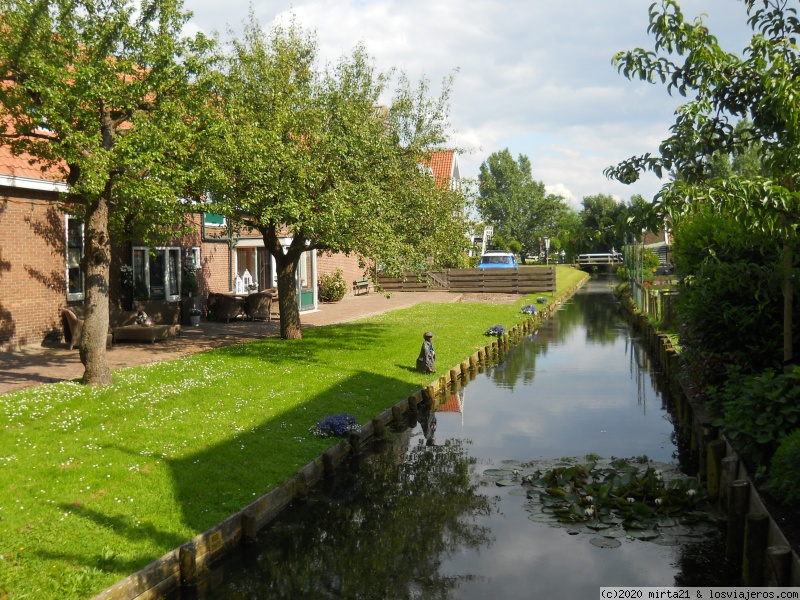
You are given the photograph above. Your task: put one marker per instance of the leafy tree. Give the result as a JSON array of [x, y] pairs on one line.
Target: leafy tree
[[304, 153], [103, 91], [517, 206], [760, 85], [599, 217]]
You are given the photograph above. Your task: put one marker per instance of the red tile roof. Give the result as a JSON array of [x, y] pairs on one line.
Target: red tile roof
[[443, 165], [20, 166], [454, 403]]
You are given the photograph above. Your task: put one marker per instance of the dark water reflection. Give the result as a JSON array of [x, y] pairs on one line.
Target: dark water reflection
[[415, 521]]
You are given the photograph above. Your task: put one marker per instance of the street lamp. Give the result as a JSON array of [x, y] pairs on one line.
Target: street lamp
[[547, 250]]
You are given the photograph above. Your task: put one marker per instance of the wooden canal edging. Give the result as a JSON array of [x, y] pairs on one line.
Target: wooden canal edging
[[753, 538], [190, 564], [525, 280]]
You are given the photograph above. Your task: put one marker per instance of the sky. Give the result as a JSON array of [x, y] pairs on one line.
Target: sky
[[533, 76]]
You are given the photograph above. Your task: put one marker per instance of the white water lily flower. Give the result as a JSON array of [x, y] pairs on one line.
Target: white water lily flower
[[631, 500], [589, 499], [515, 472], [589, 512], [691, 492], [659, 501]]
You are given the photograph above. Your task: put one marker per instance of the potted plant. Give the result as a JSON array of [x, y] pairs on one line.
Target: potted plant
[[194, 316], [191, 302]]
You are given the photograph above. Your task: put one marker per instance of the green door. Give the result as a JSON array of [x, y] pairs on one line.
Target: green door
[[306, 285]]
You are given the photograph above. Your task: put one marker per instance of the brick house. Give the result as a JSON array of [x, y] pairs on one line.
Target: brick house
[[41, 247]]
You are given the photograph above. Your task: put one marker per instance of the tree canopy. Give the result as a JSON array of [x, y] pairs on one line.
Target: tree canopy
[[307, 156], [517, 206], [105, 92], [723, 89]]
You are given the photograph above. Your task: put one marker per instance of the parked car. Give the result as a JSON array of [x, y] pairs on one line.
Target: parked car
[[498, 260]]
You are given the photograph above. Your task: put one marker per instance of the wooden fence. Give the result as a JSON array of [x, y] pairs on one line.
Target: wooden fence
[[525, 280]]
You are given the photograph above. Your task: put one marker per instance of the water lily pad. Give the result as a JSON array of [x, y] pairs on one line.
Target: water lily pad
[[677, 530], [495, 472], [611, 519], [506, 481], [602, 542], [597, 525], [541, 517], [518, 491], [666, 540], [643, 534], [616, 532]]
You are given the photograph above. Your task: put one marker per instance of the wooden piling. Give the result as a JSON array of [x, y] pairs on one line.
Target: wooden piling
[[729, 466], [455, 373], [756, 532], [738, 502], [716, 452], [778, 566], [188, 557]]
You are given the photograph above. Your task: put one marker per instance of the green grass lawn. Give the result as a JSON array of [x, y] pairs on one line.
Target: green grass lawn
[[99, 482]]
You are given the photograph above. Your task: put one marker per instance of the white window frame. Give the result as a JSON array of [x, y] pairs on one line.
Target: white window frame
[[166, 249], [73, 296]]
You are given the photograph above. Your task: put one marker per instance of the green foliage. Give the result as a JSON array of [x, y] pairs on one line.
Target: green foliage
[[730, 301], [108, 94], [189, 285], [617, 498], [757, 412], [518, 207], [332, 286], [784, 471], [599, 216], [758, 88], [303, 149]]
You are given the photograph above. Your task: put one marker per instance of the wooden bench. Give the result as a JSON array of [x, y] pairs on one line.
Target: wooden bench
[[361, 284]]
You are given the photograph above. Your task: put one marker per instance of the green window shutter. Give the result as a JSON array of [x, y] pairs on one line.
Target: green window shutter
[[213, 219]]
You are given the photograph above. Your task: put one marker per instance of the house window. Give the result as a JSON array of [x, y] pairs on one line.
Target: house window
[[74, 251], [213, 220], [157, 273]]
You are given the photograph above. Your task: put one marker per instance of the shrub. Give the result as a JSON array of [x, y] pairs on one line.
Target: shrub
[[332, 286], [338, 425], [757, 412], [785, 470], [189, 285], [496, 331]]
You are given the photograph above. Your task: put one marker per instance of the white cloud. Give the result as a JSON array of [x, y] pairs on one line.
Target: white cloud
[[534, 77]]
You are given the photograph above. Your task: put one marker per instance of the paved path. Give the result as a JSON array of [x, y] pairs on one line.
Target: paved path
[[38, 365]]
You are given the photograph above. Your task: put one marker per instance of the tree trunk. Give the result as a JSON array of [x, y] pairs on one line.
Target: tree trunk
[[788, 302], [97, 259], [286, 265]]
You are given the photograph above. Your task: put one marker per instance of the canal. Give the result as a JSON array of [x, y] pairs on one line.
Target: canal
[[422, 515]]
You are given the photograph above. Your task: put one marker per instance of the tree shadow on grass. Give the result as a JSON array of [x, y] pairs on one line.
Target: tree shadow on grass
[[215, 483]]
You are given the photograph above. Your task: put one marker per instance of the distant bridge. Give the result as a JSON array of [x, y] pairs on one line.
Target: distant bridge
[[607, 259]]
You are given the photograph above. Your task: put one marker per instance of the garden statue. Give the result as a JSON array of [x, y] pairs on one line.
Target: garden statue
[[427, 355]]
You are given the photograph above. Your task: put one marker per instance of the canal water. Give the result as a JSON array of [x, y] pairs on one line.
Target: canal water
[[420, 517]]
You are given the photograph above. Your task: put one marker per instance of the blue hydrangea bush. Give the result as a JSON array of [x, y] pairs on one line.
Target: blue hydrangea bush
[[496, 331], [339, 425], [529, 309]]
